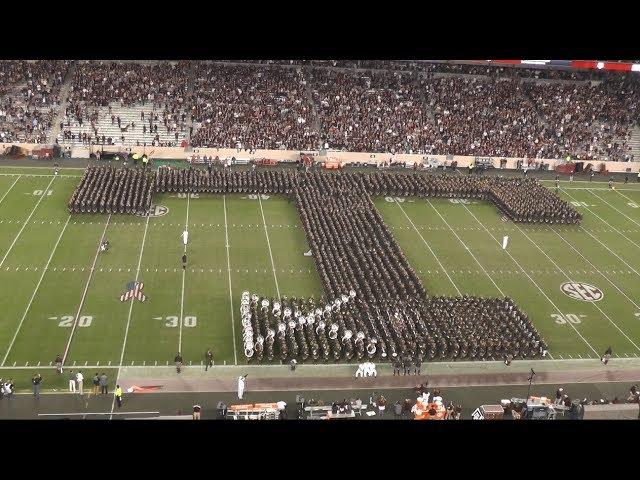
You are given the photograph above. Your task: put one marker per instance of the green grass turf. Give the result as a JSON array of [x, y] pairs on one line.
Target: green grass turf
[[453, 247]]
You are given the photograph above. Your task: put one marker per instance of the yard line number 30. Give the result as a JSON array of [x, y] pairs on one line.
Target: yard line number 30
[[173, 321]]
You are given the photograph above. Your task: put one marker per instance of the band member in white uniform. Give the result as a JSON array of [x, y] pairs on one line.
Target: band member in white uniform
[[185, 237], [241, 384]]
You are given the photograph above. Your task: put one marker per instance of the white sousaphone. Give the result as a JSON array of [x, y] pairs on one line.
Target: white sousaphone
[[333, 331], [347, 336], [371, 347]]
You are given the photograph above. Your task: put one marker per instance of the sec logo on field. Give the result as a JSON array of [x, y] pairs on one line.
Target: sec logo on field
[[582, 291], [158, 210]]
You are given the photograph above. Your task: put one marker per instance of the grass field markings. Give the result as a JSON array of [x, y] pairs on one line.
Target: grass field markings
[[84, 293], [428, 246], [628, 198], [25, 223], [611, 251], [571, 280], [531, 279], [467, 248], [612, 206], [606, 223], [35, 291], [273, 266], [126, 330], [184, 273]]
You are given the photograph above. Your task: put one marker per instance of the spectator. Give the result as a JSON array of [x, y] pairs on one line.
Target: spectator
[[36, 381]]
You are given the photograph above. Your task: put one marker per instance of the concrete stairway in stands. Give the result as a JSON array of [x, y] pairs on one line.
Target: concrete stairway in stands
[[64, 96], [634, 143]]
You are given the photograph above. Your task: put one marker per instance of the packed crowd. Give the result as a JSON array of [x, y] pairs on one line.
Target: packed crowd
[[589, 121], [251, 107], [380, 112], [107, 189], [488, 118], [367, 105], [29, 98], [97, 84]]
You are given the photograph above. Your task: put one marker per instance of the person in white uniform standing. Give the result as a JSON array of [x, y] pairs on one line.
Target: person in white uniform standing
[[185, 237], [241, 384]]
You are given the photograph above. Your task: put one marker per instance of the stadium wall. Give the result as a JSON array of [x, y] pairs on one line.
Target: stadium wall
[[339, 156]]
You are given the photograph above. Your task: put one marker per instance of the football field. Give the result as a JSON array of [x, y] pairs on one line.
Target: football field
[[579, 284]]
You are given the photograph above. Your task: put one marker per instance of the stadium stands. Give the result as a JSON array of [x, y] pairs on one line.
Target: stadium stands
[[369, 106], [29, 99], [129, 103], [251, 107]]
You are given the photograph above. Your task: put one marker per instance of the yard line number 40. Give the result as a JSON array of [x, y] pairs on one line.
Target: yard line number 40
[[567, 318]]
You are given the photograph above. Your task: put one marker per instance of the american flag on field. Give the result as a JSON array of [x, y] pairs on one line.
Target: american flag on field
[[134, 290]]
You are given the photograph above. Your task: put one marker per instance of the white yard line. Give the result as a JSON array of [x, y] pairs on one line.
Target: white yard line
[[467, 248], [428, 246], [40, 168], [605, 222], [610, 251], [627, 190], [531, 279], [571, 280], [596, 269], [601, 182], [226, 241], [44, 271], [612, 206], [457, 363], [184, 272], [36, 175], [25, 222], [10, 188], [84, 293], [126, 330], [602, 189], [264, 222]]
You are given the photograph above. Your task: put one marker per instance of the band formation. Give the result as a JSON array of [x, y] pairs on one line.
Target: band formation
[[374, 305]]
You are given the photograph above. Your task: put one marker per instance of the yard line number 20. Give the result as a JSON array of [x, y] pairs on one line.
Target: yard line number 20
[[66, 321]]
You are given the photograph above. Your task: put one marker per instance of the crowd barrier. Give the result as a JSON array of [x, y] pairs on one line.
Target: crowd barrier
[[333, 157]]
